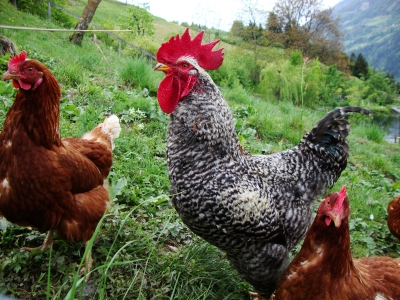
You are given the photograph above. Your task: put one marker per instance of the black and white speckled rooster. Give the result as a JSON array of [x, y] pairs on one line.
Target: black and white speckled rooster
[[255, 208]]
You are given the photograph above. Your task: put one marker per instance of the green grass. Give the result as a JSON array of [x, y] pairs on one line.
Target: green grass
[[141, 249]]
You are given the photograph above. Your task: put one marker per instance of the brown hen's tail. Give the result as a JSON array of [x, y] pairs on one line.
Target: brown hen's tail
[[105, 132]]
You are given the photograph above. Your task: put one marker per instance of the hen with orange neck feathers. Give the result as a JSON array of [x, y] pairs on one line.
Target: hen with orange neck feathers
[[254, 207], [325, 269], [46, 182]]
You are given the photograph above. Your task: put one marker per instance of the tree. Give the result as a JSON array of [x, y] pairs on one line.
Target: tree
[[304, 25], [237, 29], [360, 68], [139, 20], [84, 21]]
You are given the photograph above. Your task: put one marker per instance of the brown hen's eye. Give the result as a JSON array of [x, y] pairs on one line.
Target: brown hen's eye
[[30, 69]]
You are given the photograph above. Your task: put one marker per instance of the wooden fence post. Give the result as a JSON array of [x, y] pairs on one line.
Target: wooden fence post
[[119, 48], [48, 10]]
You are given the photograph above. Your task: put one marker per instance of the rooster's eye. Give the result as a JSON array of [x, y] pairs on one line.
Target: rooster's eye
[[185, 65]]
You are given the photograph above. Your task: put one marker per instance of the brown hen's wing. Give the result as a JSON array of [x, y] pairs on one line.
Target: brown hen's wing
[[382, 275], [97, 153], [98, 143], [85, 198]]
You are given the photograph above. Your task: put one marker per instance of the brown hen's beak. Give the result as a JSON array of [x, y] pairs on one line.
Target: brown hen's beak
[[8, 76], [337, 219], [161, 67]]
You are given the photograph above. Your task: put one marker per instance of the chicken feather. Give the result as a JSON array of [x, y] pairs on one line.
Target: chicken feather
[[254, 207], [46, 182], [326, 253]]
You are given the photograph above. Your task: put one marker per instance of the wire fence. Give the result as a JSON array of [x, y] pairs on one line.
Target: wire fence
[[150, 56]]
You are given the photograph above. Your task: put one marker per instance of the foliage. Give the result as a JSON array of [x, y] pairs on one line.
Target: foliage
[[139, 74], [304, 25], [143, 42], [333, 87], [239, 68], [371, 29], [360, 66], [280, 80], [379, 89], [139, 20], [39, 8]]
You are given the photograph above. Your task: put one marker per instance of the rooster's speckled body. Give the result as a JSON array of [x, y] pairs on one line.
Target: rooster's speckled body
[[255, 208]]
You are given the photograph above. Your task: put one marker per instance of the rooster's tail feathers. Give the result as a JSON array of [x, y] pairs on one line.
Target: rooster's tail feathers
[[329, 134], [336, 121], [105, 132]]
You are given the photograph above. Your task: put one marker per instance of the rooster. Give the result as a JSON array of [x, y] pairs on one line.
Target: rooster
[[325, 269], [393, 219], [254, 207], [46, 182]]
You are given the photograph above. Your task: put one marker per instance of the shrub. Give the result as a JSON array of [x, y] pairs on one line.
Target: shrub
[[138, 73]]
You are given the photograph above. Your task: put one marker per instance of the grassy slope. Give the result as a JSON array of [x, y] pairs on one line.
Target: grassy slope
[[154, 255]]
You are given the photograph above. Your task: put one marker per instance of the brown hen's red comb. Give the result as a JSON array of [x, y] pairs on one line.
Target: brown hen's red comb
[[16, 60], [342, 195], [177, 47]]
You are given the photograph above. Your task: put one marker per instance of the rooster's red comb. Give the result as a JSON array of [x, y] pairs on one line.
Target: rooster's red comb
[[16, 60], [177, 47]]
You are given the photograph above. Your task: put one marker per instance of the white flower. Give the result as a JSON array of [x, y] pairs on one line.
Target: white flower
[[371, 216]]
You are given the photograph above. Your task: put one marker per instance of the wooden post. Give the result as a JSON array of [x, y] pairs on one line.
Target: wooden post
[[119, 48], [398, 136], [48, 10]]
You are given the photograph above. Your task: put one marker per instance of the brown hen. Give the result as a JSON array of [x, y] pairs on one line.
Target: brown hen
[[393, 220], [49, 183], [325, 269]]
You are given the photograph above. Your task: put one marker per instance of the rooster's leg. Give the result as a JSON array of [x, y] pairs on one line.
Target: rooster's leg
[[88, 263], [47, 243]]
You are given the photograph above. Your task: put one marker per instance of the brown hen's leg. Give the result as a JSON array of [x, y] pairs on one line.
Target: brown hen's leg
[[256, 296], [47, 243], [88, 263]]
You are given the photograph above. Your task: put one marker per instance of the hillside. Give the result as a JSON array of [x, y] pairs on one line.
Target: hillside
[[373, 29]]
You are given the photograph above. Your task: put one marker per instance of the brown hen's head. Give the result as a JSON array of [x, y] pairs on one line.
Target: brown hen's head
[[182, 59], [25, 73], [335, 207]]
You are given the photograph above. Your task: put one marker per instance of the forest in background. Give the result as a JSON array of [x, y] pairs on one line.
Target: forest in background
[[373, 29]]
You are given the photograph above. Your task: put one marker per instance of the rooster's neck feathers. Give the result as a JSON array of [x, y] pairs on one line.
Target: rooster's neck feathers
[[208, 121]]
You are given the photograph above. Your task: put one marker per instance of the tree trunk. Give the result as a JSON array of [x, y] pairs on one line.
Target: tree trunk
[[14, 2], [84, 21]]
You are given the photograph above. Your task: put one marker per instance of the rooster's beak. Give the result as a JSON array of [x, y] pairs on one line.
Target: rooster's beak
[[161, 67]]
